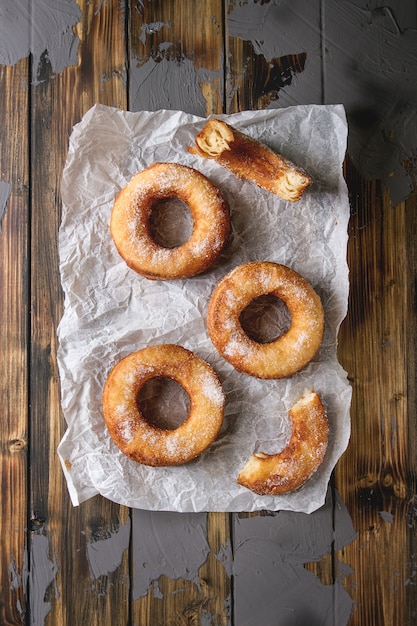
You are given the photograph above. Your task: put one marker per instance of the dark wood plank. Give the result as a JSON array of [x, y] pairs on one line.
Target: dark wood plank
[[64, 587], [14, 159], [67, 579], [254, 82], [409, 464], [378, 348], [376, 476], [194, 32]]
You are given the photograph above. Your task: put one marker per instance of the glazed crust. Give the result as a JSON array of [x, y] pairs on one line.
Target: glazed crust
[[130, 222], [288, 353], [143, 442], [277, 474], [251, 160]]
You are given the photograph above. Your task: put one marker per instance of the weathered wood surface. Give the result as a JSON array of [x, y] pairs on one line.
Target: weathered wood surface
[[14, 307], [102, 563], [376, 476]]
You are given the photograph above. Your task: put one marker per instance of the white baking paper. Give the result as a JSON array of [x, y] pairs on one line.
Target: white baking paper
[[111, 311]]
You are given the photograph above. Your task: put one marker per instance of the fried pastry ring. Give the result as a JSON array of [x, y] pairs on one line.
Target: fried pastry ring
[[130, 222], [290, 351], [277, 474], [148, 444], [251, 160]]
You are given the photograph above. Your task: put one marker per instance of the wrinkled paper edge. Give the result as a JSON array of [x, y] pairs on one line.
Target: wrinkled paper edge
[[82, 492]]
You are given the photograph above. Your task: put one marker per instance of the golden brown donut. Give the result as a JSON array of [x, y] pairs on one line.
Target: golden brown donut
[[251, 160], [276, 474], [288, 353], [143, 442], [131, 213]]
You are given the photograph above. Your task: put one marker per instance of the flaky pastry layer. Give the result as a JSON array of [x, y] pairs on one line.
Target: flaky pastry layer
[[251, 160]]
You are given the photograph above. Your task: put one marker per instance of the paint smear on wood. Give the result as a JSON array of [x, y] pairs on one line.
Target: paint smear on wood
[[5, 190], [17, 580], [167, 83], [358, 54], [41, 578], [105, 554], [43, 28], [269, 554], [269, 574], [165, 76], [167, 544], [283, 30]]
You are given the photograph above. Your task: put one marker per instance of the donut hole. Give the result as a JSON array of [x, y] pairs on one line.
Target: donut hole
[[170, 222], [164, 403], [265, 319]]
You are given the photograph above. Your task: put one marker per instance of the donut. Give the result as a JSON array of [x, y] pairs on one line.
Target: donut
[[249, 159], [292, 350], [131, 213], [146, 443], [277, 474]]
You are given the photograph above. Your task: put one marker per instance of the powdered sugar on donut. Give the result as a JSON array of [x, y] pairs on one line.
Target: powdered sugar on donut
[[211, 388], [131, 213], [293, 349], [144, 442]]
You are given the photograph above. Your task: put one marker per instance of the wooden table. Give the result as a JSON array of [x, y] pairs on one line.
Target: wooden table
[[354, 561]]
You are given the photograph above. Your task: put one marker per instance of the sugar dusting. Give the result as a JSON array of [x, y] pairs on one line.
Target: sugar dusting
[[125, 414], [211, 388], [290, 468], [169, 446], [163, 181], [293, 347], [237, 346], [126, 429]]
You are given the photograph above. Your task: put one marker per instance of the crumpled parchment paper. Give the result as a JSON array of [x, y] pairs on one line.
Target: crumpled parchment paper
[[111, 311]]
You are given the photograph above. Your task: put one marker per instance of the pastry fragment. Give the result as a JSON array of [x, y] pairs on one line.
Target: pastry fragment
[[251, 160], [277, 474]]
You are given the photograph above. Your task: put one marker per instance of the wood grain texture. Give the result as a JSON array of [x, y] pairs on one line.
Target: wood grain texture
[[14, 423], [194, 33], [376, 476], [61, 535], [61, 565], [252, 82]]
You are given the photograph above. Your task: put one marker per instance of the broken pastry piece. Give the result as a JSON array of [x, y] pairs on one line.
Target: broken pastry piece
[[251, 160], [277, 474]]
